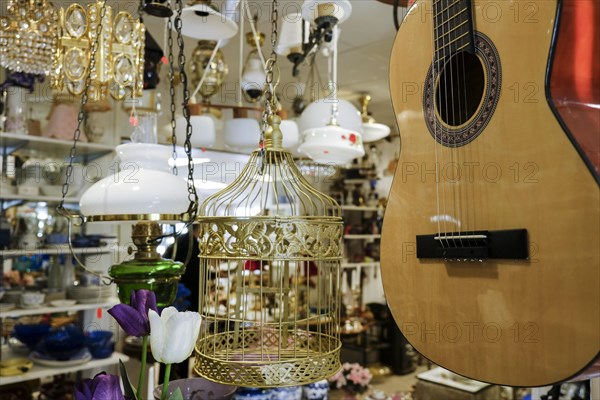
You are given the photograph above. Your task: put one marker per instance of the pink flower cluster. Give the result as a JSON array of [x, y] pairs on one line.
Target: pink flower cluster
[[352, 378]]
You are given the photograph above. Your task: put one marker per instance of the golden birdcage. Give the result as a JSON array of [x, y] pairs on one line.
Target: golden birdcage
[[270, 272]]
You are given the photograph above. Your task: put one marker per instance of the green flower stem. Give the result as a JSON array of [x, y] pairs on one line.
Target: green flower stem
[[166, 382], [143, 366]]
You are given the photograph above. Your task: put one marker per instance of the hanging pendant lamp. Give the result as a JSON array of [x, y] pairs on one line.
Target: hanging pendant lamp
[[201, 20]]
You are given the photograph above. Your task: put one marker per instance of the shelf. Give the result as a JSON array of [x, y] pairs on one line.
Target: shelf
[[361, 264], [56, 250], [359, 208], [361, 237], [53, 147], [358, 181], [39, 371], [49, 199], [20, 312]]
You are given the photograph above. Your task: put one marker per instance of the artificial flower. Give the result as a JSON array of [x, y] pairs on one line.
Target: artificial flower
[[352, 378], [173, 334], [133, 318], [102, 387]]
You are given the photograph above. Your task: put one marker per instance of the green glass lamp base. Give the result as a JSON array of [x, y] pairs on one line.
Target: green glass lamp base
[[159, 275]]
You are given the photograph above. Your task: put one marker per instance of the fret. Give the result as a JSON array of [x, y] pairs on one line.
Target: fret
[[447, 8], [453, 41], [451, 18], [453, 29], [453, 26]]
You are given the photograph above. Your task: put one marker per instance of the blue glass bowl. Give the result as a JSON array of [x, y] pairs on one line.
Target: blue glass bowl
[[97, 338], [62, 343], [104, 350], [31, 334]]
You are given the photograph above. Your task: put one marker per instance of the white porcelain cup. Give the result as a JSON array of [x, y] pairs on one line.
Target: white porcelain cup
[[32, 298]]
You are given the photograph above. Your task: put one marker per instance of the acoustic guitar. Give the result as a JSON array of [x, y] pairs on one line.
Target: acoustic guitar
[[491, 237]]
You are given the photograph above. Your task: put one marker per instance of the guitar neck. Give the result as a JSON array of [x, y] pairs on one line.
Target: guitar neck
[[453, 29]]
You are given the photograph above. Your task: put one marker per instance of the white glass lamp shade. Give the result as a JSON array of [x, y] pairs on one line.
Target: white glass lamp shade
[[332, 145], [203, 131], [144, 188], [253, 78], [291, 136], [201, 21], [242, 134], [312, 9], [318, 114], [373, 131], [290, 37]]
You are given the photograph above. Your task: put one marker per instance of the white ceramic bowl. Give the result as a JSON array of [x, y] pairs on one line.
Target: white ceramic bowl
[[203, 131], [242, 134], [32, 298], [332, 145]]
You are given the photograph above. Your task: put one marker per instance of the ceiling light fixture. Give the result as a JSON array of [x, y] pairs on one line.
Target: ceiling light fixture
[[372, 131], [202, 20], [28, 37], [118, 65]]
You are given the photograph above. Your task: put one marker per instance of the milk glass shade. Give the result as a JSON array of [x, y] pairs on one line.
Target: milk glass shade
[[318, 114], [253, 78], [291, 136], [203, 131], [290, 38], [242, 134], [201, 21], [143, 189], [373, 131], [332, 145], [313, 9]]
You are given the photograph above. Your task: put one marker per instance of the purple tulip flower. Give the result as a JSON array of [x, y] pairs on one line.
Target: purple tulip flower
[[134, 318], [102, 387]]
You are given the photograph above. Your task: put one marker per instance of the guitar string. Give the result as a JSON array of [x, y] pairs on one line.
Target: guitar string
[[435, 130], [452, 149], [469, 185], [443, 128], [460, 149]]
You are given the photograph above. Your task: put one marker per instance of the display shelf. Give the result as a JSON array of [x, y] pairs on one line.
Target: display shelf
[[53, 147], [48, 199], [359, 208], [361, 237], [45, 309], [39, 371], [56, 250], [373, 264], [357, 181]]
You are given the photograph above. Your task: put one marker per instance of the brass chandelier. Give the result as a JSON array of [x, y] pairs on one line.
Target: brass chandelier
[[28, 36], [119, 62]]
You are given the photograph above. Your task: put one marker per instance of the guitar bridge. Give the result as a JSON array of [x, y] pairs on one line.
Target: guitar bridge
[[474, 245]]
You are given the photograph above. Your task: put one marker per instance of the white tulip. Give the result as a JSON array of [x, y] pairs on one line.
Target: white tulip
[[173, 334]]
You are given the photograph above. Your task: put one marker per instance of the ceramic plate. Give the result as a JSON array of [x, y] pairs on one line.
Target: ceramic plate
[[6, 306], [31, 306], [81, 358], [62, 303]]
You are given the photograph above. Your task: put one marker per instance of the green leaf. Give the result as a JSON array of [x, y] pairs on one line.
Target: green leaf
[[129, 392], [177, 395]]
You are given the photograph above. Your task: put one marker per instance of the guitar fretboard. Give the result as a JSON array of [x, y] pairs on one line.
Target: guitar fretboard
[[452, 29]]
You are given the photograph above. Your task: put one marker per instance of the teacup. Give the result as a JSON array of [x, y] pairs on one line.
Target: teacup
[[32, 298]]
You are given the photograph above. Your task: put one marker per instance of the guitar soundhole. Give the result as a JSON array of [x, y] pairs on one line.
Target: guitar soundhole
[[460, 89], [463, 103]]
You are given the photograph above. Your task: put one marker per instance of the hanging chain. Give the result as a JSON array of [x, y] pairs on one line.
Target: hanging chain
[[81, 115], [76, 135], [187, 146], [270, 97], [172, 90]]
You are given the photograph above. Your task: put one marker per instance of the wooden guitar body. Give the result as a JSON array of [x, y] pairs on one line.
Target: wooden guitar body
[[522, 322]]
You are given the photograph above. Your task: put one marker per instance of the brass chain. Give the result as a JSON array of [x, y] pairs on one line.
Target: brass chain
[[81, 114], [270, 97]]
